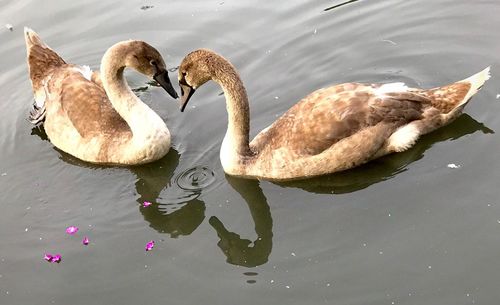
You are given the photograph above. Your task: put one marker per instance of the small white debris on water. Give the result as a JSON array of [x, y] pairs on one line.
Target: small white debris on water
[[315, 31], [389, 41], [381, 252], [9, 27], [293, 254], [328, 285], [4, 174], [272, 281], [287, 287], [498, 96], [453, 165], [276, 97], [429, 267], [26, 230]]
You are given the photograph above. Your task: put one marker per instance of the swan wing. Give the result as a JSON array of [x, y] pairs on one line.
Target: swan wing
[[338, 113], [87, 106]]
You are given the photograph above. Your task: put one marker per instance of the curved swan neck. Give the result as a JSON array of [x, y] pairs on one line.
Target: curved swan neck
[[140, 118], [237, 106], [119, 93]]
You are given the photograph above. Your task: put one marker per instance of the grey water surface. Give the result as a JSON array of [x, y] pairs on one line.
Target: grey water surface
[[404, 229]]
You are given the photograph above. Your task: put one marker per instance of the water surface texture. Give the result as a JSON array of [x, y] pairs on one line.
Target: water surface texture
[[404, 229]]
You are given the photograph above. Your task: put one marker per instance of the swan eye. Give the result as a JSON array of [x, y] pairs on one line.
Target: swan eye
[[153, 62]]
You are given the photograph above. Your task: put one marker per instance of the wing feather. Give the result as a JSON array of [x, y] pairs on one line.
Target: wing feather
[[88, 107], [329, 115]]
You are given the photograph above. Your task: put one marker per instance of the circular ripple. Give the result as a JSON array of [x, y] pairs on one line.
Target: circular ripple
[[195, 179]]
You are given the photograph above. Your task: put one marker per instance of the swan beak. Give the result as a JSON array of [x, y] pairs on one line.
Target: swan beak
[[186, 92], [164, 81]]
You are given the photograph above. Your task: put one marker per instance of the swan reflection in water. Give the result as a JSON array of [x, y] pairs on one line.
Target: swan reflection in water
[[182, 216], [185, 215], [247, 253], [243, 252], [178, 218]]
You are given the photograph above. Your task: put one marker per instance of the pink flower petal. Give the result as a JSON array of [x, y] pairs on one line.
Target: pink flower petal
[[48, 257], [71, 230], [150, 245], [52, 258], [85, 240], [146, 204], [56, 258]]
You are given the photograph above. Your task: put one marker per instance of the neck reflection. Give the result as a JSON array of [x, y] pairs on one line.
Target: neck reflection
[[179, 218], [240, 251]]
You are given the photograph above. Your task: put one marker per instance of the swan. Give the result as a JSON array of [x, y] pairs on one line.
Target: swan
[[330, 130], [95, 116]]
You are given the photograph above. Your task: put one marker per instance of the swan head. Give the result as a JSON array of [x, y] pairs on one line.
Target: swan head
[[197, 68], [145, 59]]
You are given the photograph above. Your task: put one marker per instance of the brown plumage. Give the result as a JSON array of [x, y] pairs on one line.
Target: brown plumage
[[96, 117], [331, 129]]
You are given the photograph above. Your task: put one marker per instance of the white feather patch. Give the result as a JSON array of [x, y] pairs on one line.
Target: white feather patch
[[40, 98], [86, 72], [404, 138], [41, 93], [391, 88]]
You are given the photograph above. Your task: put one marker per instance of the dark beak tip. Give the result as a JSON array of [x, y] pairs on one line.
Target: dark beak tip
[[164, 81], [183, 106]]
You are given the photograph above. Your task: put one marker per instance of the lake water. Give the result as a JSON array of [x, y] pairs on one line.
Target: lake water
[[404, 229]]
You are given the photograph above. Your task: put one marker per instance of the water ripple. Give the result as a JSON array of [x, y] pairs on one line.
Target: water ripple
[[195, 179]]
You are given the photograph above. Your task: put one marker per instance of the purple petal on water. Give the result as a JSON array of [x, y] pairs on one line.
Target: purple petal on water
[[85, 240], [150, 245], [48, 257], [56, 258], [146, 204], [71, 230]]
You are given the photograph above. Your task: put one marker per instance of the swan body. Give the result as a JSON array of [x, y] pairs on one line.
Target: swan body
[[331, 129], [95, 116]]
